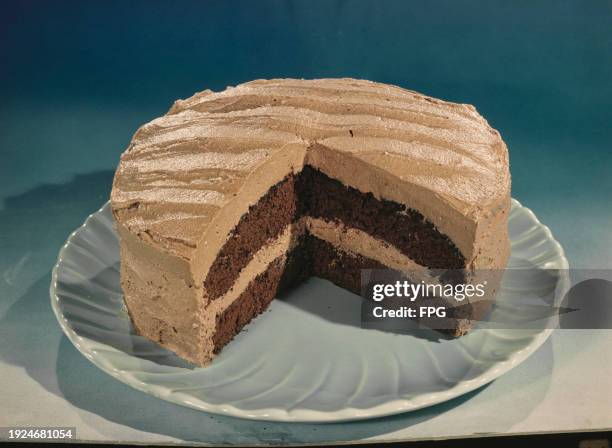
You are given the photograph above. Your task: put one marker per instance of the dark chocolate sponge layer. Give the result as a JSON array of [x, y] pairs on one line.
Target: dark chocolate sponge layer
[[311, 256], [312, 193]]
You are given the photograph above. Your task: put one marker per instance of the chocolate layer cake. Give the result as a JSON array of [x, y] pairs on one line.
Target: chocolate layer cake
[[233, 196]]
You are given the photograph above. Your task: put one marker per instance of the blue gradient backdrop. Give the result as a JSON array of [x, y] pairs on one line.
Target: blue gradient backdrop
[[79, 77]]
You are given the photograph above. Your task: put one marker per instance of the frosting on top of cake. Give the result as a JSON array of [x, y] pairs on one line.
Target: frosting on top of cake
[[182, 169]]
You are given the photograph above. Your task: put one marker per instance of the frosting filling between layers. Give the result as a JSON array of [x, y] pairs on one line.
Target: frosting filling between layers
[[311, 193], [311, 225], [311, 247]]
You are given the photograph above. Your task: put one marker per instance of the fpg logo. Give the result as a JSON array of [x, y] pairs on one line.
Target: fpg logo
[[432, 311]]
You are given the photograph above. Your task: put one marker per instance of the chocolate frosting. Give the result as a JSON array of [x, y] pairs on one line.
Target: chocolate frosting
[[188, 176]]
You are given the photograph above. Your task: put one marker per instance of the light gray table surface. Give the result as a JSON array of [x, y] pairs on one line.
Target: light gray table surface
[[81, 78]]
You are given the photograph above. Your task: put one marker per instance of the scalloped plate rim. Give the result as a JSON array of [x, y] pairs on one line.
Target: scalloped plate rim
[[391, 407]]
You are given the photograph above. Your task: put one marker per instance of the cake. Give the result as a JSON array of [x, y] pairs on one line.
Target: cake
[[234, 196]]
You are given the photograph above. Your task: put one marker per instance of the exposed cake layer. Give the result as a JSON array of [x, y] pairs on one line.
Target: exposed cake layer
[[280, 274], [263, 222], [327, 259], [359, 242], [399, 224], [310, 193], [310, 256], [284, 260], [277, 248], [308, 247]]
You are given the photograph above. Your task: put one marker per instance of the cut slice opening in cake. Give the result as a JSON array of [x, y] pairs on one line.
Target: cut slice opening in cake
[[336, 231], [311, 193]]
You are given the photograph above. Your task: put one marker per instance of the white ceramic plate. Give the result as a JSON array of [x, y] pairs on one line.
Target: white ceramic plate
[[306, 358]]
